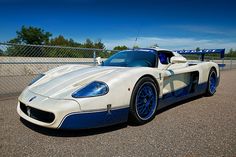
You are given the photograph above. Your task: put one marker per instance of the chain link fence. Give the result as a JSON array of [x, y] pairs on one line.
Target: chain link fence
[[19, 64], [227, 63]]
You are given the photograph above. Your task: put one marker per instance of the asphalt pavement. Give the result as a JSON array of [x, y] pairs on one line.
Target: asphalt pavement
[[203, 126]]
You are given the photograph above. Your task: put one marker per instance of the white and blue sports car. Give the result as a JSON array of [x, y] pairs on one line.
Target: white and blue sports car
[[130, 85]]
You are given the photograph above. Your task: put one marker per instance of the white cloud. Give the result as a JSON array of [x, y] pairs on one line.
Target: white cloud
[[229, 32], [172, 43]]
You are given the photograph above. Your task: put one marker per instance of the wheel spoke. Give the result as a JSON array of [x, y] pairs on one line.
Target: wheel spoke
[[141, 106], [149, 101]]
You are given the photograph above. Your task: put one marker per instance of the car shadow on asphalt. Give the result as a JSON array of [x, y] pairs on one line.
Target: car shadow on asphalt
[[179, 103], [95, 131], [72, 133], [173, 106]]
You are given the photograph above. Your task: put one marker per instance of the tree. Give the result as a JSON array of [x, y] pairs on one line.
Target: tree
[[59, 41], [99, 45], [31, 35], [88, 43], [154, 46], [231, 53], [1, 53], [63, 52], [198, 49], [135, 47], [62, 41], [37, 36], [119, 48]]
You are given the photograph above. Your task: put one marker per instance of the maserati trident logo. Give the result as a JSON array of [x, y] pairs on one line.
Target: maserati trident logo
[[31, 99], [28, 111]]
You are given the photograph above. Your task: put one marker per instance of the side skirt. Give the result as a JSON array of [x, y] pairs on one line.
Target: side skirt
[[172, 97], [94, 119]]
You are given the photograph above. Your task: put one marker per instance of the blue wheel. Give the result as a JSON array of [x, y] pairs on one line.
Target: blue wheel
[[144, 101], [212, 83]]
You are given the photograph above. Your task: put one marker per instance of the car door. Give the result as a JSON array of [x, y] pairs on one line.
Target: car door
[[176, 78]]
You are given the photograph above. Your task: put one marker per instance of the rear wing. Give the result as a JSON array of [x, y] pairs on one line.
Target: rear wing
[[203, 52]]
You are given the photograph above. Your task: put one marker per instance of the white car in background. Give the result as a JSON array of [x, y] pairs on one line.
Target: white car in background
[[130, 85]]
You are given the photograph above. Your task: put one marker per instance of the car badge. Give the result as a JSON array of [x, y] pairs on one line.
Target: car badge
[[28, 111], [32, 98]]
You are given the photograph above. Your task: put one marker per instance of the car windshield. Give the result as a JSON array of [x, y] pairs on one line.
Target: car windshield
[[132, 58]]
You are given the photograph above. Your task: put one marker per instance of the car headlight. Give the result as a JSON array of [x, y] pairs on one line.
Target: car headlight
[[93, 89], [36, 79]]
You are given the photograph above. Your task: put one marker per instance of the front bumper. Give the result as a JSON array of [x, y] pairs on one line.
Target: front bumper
[[35, 110], [65, 114]]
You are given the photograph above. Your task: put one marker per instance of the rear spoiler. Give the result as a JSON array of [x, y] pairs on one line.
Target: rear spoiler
[[203, 52]]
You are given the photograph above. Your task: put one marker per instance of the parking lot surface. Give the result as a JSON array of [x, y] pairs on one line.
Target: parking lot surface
[[203, 126]]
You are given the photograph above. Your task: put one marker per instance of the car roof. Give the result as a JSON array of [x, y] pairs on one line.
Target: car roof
[[154, 50], [157, 49], [151, 49]]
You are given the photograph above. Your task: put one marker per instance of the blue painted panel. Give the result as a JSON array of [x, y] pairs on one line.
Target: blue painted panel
[[221, 65], [95, 119], [181, 94]]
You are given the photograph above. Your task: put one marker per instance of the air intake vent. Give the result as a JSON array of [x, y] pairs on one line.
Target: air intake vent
[[39, 115]]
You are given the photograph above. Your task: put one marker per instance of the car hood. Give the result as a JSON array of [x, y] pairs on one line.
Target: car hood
[[61, 83]]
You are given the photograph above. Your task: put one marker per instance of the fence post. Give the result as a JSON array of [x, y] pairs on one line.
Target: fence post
[[223, 61], [94, 58], [231, 62]]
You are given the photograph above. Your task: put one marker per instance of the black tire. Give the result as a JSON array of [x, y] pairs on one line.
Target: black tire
[[211, 83], [143, 108]]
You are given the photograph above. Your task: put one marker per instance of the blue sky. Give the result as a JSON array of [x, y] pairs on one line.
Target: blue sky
[[172, 24]]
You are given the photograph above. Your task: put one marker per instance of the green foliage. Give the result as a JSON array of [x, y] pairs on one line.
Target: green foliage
[[65, 52], [99, 44], [37, 36], [1, 53], [105, 54], [135, 47], [26, 51], [31, 35], [88, 44], [62, 41], [198, 49], [120, 48], [231, 53]]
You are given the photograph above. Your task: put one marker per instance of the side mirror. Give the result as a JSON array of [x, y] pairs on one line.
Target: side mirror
[[177, 59], [99, 60]]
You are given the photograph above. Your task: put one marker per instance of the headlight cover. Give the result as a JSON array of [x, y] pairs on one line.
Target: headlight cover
[[93, 89], [36, 79]]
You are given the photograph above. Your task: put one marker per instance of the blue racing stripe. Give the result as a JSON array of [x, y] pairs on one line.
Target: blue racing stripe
[[115, 116], [94, 119]]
